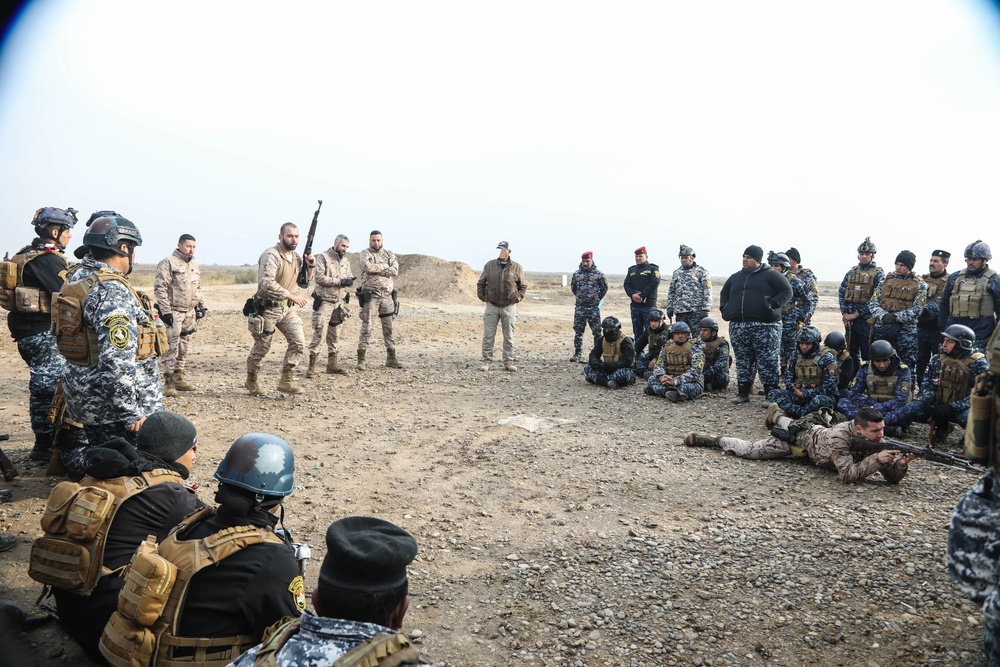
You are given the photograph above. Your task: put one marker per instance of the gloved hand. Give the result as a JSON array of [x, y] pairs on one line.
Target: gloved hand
[[926, 317], [346, 282], [168, 319], [888, 318], [670, 313], [200, 312], [942, 412]]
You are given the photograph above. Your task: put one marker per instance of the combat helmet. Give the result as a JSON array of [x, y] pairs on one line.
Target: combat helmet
[[835, 340], [779, 258], [709, 323], [261, 463], [978, 250], [867, 246], [810, 334], [50, 215], [881, 350], [680, 327], [110, 231], [655, 315], [686, 250], [961, 334]]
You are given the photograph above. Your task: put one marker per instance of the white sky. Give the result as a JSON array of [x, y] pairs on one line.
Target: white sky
[[558, 126]]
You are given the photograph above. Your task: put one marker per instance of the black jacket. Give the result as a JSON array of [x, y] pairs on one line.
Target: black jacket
[[643, 279], [41, 272], [755, 296], [597, 355]]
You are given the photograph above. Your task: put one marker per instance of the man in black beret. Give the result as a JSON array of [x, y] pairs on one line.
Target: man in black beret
[[928, 332], [360, 601], [895, 306]]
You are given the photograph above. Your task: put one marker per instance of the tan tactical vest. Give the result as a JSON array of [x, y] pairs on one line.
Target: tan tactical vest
[[612, 349], [385, 649], [808, 372], [982, 433], [899, 293], [142, 630], [798, 274], [935, 286], [953, 382], [76, 522], [288, 272], [712, 351], [838, 355], [14, 295], [860, 285], [880, 388], [969, 297], [78, 342], [677, 358]]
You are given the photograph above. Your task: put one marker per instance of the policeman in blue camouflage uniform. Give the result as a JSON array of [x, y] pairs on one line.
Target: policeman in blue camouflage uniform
[[36, 269], [944, 399], [796, 312], [641, 283], [855, 292], [107, 332], [972, 295], [810, 379], [718, 355], [836, 343], [895, 306], [611, 360], [928, 331], [690, 294], [884, 383], [362, 596], [807, 277], [679, 373], [589, 285], [649, 344]]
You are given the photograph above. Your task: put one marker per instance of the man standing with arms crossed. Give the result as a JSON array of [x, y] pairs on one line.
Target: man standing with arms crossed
[[177, 288], [333, 277], [378, 297]]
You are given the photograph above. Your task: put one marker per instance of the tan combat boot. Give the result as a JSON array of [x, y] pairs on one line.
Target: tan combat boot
[[331, 366], [181, 384], [311, 371], [774, 413], [390, 359], [252, 386], [693, 439], [287, 382], [169, 387], [361, 360]]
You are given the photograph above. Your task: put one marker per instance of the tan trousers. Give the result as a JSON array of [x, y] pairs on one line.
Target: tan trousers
[[768, 448], [377, 306], [323, 328], [286, 320], [178, 345]]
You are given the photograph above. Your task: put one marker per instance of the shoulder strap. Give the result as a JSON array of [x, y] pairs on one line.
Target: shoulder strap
[[274, 638], [383, 650]]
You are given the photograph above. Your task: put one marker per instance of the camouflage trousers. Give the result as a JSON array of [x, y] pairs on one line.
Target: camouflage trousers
[[690, 389], [692, 319], [903, 338], [789, 339], [622, 376], [760, 450], [178, 340], [642, 364], [583, 316], [286, 320], [928, 344], [46, 367], [379, 308], [640, 320], [716, 380], [892, 418], [799, 407], [324, 327], [77, 459], [920, 411], [756, 348]]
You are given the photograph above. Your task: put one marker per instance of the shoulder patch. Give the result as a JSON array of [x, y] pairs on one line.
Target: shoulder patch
[[832, 369], [298, 590], [118, 331]]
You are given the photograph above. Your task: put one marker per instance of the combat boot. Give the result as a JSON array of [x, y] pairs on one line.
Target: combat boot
[[252, 386], [693, 439], [42, 451], [675, 396], [767, 401], [181, 384], [331, 366], [287, 382], [361, 360], [311, 371], [774, 413], [577, 357], [390, 359], [7, 467], [169, 388], [743, 396]]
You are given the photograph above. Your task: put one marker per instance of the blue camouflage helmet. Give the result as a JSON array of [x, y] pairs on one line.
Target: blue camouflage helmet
[[978, 250], [50, 215], [680, 327], [779, 258], [810, 335], [110, 231], [685, 250], [867, 246], [261, 463]]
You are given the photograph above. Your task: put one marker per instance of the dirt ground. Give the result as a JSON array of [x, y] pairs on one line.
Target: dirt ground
[[583, 533]]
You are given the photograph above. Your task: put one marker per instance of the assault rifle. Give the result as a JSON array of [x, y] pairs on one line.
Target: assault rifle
[[303, 280], [939, 456]]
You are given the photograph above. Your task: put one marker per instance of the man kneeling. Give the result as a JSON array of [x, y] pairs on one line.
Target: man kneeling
[[611, 360]]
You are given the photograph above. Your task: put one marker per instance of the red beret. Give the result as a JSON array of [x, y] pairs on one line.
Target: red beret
[[641, 250], [587, 255]]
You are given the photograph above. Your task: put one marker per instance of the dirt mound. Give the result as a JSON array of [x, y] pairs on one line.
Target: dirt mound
[[426, 278]]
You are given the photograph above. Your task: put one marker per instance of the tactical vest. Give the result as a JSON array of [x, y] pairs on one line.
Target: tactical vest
[[899, 293], [677, 358], [76, 522], [385, 649], [798, 274], [969, 297], [792, 303], [612, 349], [808, 372], [712, 351], [880, 388], [935, 286], [14, 295], [982, 434], [839, 355], [657, 339], [953, 381], [860, 285], [78, 342], [143, 629]]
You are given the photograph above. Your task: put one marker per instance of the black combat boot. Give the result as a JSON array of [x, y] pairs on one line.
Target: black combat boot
[[767, 390], [743, 396], [42, 451]]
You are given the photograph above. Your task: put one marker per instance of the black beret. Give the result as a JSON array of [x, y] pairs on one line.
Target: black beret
[[366, 554], [943, 254], [166, 435]]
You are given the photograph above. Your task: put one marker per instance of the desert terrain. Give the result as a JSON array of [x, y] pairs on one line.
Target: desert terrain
[[560, 523]]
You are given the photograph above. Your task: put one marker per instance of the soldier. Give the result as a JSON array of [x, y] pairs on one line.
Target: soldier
[[589, 285], [972, 295], [796, 312], [679, 373], [34, 272], [641, 283], [611, 360], [501, 287], [751, 300], [827, 447], [945, 398], [836, 343], [656, 335], [177, 288], [360, 600], [110, 337], [855, 293], [808, 279], [810, 379], [277, 271], [718, 356], [690, 294], [928, 331], [895, 305], [378, 267], [333, 277], [883, 383]]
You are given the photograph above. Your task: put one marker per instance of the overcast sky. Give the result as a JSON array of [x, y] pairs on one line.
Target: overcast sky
[[557, 126]]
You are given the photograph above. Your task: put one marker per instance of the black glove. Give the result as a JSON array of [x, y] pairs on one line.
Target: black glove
[[888, 318], [670, 313], [346, 282], [926, 317], [168, 319], [942, 412], [786, 434], [200, 312]]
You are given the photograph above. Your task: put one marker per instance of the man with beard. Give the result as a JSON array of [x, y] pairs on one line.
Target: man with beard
[[895, 306], [378, 298], [611, 360], [333, 277], [972, 295], [928, 331], [589, 287]]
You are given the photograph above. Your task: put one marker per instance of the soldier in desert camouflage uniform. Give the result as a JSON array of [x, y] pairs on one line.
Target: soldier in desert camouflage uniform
[[333, 277], [378, 268], [177, 288], [589, 286], [689, 296]]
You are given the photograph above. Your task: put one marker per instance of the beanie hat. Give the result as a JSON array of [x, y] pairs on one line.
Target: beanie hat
[[793, 254], [166, 435], [908, 258], [755, 251]]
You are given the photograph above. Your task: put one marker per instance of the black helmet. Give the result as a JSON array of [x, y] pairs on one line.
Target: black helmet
[[611, 322], [261, 463], [779, 258], [680, 327], [881, 350], [110, 231], [810, 335], [867, 246], [961, 334], [656, 315], [685, 250], [49, 215], [709, 323], [978, 250], [836, 340]]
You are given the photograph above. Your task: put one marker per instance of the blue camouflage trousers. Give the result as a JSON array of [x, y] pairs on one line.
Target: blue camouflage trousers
[[692, 319], [46, 365], [622, 376], [920, 411], [904, 339], [928, 343], [799, 407], [716, 380], [640, 320], [892, 418], [76, 458], [789, 339], [583, 316], [756, 348], [690, 389]]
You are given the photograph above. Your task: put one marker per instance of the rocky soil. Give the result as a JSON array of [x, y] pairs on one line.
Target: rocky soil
[[560, 523]]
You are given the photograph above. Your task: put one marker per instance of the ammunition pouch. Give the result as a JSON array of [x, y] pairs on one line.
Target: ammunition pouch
[[185, 334], [340, 313], [395, 303], [364, 295], [255, 324], [14, 295], [317, 302], [984, 407]]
